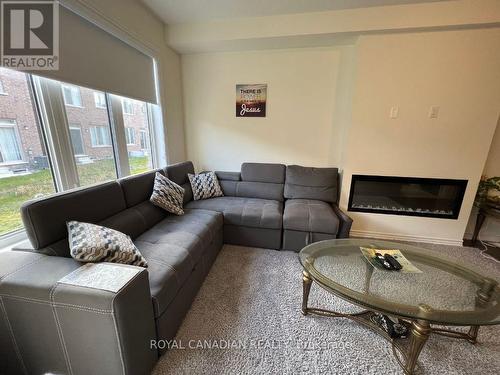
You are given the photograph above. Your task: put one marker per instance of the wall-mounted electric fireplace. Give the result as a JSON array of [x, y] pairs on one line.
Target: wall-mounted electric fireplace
[[412, 196]]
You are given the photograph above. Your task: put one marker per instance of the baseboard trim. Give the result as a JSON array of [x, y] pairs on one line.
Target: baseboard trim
[[405, 237]]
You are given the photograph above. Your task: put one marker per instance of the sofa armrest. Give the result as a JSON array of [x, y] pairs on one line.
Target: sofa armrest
[[345, 222], [57, 316]]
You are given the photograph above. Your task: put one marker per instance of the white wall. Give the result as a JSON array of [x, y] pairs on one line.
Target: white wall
[[324, 28], [300, 108], [490, 230], [492, 166], [456, 70], [330, 107]]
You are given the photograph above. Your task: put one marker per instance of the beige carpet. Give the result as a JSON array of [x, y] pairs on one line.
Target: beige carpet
[[246, 320]]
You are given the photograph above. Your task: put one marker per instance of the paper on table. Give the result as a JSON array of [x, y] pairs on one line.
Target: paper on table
[[369, 254]]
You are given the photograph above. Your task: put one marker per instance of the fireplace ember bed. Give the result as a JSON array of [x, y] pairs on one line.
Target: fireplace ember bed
[[410, 196]]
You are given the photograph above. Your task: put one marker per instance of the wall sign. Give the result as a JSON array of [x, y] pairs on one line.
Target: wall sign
[[251, 100]]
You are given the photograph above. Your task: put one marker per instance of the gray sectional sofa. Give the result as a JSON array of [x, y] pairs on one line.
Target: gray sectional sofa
[[50, 326]]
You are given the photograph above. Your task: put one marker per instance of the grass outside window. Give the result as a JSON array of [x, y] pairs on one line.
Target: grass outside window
[[15, 190]]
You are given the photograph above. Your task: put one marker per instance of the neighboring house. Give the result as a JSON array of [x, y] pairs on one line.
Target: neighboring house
[[20, 141], [21, 145]]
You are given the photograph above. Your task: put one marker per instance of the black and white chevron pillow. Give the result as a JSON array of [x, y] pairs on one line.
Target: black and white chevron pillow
[[205, 185], [94, 243], [167, 195]]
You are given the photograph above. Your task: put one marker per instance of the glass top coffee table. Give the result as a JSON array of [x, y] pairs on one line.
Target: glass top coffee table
[[443, 293]]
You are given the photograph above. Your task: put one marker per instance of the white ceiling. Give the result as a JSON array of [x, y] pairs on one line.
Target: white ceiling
[[186, 11]]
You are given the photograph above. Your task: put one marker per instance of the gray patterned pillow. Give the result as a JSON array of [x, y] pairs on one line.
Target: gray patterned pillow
[[94, 243], [167, 195], [205, 185]]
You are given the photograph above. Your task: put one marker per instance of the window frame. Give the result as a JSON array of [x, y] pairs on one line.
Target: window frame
[[79, 128], [65, 99], [9, 123], [50, 105], [129, 103], [143, 132], [108, 136], [130, 130], [98, 94]]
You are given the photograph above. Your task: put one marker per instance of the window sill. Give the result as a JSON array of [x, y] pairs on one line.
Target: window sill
[[73, 105], [13, 163], [8, 240]]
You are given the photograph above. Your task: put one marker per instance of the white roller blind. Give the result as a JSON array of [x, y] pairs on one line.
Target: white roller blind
[[94, 58]]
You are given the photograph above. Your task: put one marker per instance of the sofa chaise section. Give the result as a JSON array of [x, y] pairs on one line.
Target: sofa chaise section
[[311, 213]]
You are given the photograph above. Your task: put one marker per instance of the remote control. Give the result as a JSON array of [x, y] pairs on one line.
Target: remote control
[[384, 263], [393, 262]]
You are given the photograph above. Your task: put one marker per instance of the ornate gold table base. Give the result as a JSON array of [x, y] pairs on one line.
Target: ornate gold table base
[[406, 351]]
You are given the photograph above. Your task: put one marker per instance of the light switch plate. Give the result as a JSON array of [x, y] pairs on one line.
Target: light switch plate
[[393, 113]]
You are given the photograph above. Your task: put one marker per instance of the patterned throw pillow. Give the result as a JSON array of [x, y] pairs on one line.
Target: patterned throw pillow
[[93, 243], [167, 195], [205, 185]]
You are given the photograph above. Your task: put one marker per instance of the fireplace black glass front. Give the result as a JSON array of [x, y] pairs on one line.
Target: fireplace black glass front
[[412, 196]]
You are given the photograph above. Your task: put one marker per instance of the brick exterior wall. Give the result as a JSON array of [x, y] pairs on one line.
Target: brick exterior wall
[[16, 104]]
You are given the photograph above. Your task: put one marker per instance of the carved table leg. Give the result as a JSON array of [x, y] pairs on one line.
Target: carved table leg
[[473, 332], [420, 330], [306, 284]]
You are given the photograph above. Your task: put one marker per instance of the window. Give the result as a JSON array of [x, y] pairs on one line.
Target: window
[[130, 135], [105, 142], [25, 169], [100, 136], [139, 155], [72, 96], [100, 100], [128, 106], [95, 163], [10, 151], [75, 133], [144, 139]]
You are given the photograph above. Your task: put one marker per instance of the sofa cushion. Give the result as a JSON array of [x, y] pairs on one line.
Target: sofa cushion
[[229, 176], [205, 185], [248, 212], [95, 243], [135, 220], [178, 173], [263, 172], [138, 188], [310, 216], [172, 248], [311, 183], [89, 205], [167, 195], [262, 190]]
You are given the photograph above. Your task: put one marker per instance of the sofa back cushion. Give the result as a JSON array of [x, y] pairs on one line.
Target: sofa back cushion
[[256, 180], [138, 188], [45, 219], [311, 183], [178, 173], [263, 172], [261, 180]]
